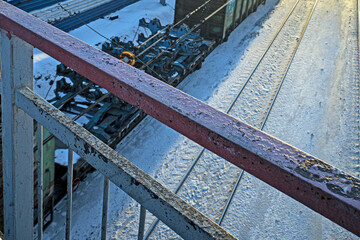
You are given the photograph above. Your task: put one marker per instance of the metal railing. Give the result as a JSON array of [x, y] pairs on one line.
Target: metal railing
[[298, 174]]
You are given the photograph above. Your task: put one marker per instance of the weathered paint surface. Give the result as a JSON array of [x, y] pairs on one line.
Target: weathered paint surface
[[282, 166], [17, 144], [167, 206]]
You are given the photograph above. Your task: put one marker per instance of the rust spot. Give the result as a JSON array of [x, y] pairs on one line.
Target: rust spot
[[105, 159], [8, 35], [86, 149], [154, 196], [194, 226], [336, 181], [134, 181]]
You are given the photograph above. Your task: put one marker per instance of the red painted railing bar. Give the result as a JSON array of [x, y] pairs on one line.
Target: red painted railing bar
[[323, 188]]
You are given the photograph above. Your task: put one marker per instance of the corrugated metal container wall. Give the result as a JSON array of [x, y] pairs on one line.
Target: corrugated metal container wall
[[238, 11], [211, 29], [48, 176], [229, 18], [219, 26]]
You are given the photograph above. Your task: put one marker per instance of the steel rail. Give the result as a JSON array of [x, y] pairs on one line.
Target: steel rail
[[228, 202], [201, 152]]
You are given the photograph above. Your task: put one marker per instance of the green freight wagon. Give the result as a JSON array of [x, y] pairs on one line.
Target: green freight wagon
[[219, 26], [48, 178]]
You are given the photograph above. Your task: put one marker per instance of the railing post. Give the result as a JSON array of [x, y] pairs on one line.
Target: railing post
[[105, 208], [142, 223], [69, 194], [40, 193], [17, 133]]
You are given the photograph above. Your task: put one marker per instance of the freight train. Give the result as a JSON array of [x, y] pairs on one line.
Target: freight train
[[169, 53]]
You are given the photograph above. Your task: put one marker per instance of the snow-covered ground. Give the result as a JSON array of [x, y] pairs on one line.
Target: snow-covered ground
[[317, 111]]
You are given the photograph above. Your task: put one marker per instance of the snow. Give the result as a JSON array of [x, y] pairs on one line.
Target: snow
[[61, 157], [317, 111]]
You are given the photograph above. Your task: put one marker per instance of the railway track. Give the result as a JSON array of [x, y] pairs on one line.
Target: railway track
[[276, 49]]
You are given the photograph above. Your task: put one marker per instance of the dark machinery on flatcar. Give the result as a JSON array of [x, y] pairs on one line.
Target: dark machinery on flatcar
[[111, 118]]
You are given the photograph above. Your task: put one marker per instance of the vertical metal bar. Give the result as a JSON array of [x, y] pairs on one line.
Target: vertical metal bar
[[142, 223], [40, 180], [234, 15], [254, 6], [241, 11], [247, 8], [69, 194], [257, 3], [105, 208], [17, 133]]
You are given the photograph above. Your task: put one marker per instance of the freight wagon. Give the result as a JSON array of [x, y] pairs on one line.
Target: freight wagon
[[48, 178], [219, 26]]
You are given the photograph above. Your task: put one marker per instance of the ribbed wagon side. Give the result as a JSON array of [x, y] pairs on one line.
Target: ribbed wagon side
[[219, 26]]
